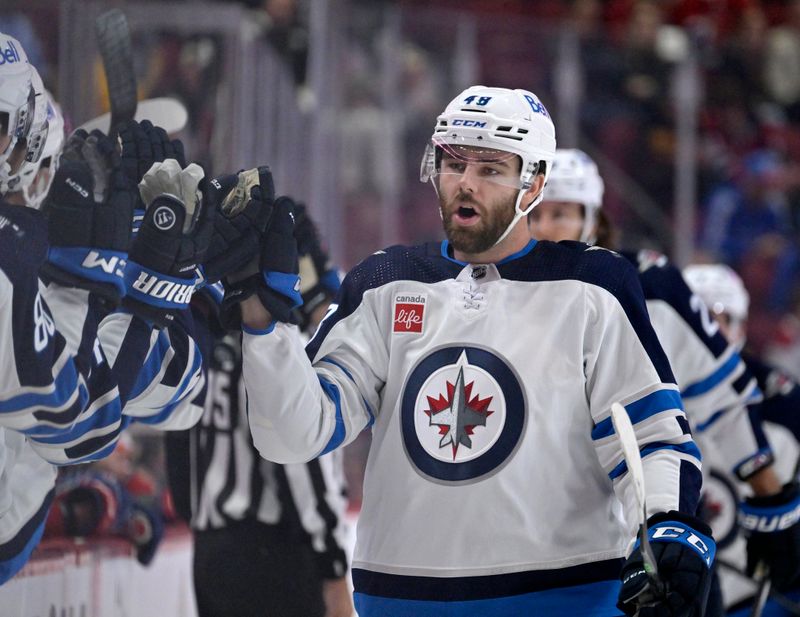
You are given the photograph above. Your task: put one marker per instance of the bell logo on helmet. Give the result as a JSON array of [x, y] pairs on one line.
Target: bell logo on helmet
[[482, 100], [536, 105], [9, 55]]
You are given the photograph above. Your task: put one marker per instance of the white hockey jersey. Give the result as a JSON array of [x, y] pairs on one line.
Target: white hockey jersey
[[495, 482], [716, 386], [62, 400]]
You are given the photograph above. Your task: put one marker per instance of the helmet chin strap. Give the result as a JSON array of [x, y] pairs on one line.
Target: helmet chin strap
[[520, 213]]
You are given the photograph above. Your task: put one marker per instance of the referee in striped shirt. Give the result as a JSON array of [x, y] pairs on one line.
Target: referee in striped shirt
[[268, 538]]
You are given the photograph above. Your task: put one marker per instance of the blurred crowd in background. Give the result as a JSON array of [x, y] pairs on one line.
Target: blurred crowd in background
[[395, 64]]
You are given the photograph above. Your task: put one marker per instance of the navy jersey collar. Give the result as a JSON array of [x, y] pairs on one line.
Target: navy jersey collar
[[521, 253]]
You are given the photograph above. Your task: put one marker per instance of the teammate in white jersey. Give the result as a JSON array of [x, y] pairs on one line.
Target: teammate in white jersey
[[486, 366], [715, 385], [724, 293], [66, 384]]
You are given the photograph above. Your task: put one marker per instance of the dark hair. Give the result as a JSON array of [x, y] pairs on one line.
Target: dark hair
[[607, 236]]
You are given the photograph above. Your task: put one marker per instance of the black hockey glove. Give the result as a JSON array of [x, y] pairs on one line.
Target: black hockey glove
[[164, 262], [142, 145], [319, 280], [277, 283], [243, 204], [89, 209], [772, 527], [684, 550]]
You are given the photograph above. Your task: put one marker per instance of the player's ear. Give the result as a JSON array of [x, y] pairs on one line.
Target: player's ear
[[536, 187]]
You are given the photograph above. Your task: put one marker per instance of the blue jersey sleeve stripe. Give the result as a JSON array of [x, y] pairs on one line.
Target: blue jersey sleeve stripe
[[350, 376], [686, 448], [715, 378], [63, 389], [107, 415], [641, 409], [339, 432], [715, 417], [152, 367], [15, 552]]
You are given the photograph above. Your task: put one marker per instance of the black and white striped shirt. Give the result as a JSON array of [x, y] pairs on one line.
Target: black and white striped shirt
[[228, 481]]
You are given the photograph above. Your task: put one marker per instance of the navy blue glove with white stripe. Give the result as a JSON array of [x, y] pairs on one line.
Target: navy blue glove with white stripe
[[277, 284], [684, 551], [164, 260], [772, 527], [89, 208]]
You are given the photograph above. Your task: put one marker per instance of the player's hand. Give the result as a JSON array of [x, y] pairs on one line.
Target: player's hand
[[277, 283], [243, 204], [338, 600], [772, 527], [684, 551], [319, 279], [142, 145], [89, 209], [163, 267]]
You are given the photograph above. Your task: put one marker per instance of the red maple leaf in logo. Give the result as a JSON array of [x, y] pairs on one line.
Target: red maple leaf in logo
[[458, 413]]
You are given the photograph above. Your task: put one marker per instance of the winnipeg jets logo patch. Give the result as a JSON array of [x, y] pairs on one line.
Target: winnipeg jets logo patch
[[462, 413]]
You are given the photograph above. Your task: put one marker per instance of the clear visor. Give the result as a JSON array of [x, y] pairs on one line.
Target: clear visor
[[454, 160]]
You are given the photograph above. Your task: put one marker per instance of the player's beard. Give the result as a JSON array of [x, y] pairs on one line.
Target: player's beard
[[495, 219]]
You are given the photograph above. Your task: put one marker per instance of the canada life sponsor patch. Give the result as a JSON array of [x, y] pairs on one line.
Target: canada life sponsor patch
[[409, 313]]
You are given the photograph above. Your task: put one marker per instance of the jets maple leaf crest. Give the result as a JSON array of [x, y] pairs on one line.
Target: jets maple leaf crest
[[458, 413]]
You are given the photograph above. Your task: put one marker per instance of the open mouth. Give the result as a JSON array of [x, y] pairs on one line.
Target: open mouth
[[466, 215]]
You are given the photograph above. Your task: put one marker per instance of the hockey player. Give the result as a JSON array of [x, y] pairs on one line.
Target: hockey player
[[284, 521], [485, 366], [61, 390], [715, 385], [723, 292]]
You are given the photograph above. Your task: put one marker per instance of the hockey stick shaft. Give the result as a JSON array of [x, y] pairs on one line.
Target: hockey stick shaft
[[114, 41], [787, 603], [633, 459]]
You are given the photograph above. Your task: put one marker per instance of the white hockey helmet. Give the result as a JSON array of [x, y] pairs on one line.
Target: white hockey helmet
[[723, 293], [16, 105], [34, 185], [37, 141], [499, 121], [574, 178]]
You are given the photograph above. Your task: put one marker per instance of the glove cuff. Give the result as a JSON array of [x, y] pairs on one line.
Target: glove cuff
[[110, 289], [157, 289], [279, 306], [674, 526], [771, 514]]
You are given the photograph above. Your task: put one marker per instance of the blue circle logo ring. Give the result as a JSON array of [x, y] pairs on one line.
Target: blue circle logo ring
[[510, 433]]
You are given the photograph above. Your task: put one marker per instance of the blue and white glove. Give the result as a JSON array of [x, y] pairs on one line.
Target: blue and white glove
[[277, 284], [684, 551], [772, 527], [164, 260], [89, 209]]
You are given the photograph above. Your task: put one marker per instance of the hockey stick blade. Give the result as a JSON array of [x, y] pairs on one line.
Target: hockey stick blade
[[633, 459], [114, 42]]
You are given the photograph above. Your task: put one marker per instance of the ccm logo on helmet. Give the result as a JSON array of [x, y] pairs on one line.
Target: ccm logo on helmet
[[9, 55], [476, 123]]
